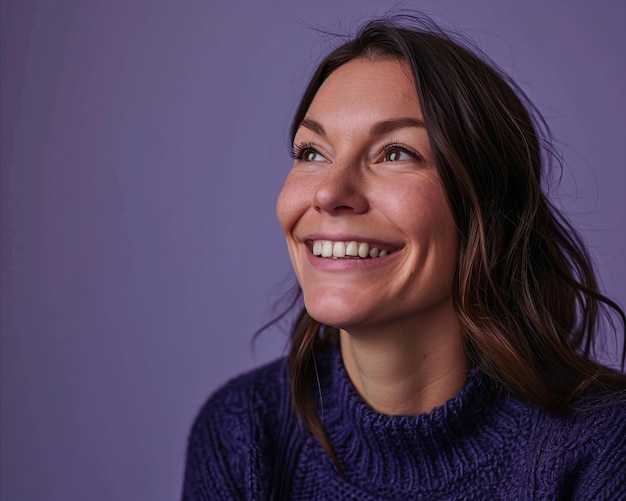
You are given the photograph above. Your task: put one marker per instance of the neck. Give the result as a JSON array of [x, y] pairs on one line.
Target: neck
[[408, 369]]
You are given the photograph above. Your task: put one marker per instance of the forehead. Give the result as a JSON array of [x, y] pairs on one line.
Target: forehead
[[367, 87]]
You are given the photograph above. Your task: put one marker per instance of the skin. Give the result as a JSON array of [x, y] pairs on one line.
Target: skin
[[364, 171]]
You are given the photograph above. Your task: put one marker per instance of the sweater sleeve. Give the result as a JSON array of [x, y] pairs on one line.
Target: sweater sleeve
[[218, 450]]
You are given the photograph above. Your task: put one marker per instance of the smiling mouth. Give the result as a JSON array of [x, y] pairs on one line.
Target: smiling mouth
[[352, 249]]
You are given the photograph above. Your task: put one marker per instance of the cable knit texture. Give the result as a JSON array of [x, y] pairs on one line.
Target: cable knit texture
[[483, 444]]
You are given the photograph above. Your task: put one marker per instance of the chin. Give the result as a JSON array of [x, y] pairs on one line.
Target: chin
[[335, 311]]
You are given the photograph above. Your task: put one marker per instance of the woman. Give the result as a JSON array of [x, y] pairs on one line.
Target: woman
[[444, 351]]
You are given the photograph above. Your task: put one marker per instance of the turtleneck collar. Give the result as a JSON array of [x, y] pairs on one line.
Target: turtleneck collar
[[432, 450]]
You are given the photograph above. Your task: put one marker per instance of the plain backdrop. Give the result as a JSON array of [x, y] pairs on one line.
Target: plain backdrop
[[143, 145]]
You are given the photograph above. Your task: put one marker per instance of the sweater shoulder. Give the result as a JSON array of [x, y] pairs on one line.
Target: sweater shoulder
[[231, 437], [263, 385], [596, 421], [243, 403], [586, 448]]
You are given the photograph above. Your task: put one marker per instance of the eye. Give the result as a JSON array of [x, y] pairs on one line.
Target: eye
[[310, 155], [395, 153], [306, 153]]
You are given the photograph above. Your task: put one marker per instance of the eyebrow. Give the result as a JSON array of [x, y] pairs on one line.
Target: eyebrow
[[312, 125], [378, 129]]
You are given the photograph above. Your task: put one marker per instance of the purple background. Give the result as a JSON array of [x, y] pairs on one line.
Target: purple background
[[143, 145]]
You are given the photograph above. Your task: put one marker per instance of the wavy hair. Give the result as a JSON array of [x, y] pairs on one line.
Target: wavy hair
[[525, 291]]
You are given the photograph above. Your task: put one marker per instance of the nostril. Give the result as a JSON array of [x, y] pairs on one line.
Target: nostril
[[334, 209], [337, 198]]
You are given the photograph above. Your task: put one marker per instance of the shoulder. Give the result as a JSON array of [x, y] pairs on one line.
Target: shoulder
[[587, 447], [244, 401], [263, 385], [232, 433], [595, 424]]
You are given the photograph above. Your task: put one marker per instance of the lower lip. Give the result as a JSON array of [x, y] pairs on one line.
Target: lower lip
[[348, 263]]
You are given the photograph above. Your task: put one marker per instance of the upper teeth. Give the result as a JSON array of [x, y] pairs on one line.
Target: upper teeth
[[328, 248]]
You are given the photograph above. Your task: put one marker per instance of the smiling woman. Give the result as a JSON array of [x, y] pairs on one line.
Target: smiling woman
[[363, 176], [445, 348]]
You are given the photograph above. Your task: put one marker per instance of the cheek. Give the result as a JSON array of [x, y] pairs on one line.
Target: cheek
[[286, 206], [428, 220], [293, 201], [446, 241], [421, 209], [289, 209]]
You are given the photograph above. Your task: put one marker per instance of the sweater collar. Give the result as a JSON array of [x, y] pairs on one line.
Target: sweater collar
[[402, 452]]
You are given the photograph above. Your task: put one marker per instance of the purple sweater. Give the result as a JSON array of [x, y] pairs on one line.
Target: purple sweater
[[483, 444]]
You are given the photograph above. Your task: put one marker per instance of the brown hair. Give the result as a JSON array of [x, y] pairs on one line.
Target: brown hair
[[525, 291]]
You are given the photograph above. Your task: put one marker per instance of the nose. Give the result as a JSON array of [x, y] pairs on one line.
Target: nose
[[341, 189]]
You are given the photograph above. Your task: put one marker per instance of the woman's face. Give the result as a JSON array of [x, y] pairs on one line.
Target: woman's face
[[364, 184]]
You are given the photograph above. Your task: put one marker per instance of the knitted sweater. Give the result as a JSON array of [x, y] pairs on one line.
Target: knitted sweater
[[246, 443]]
